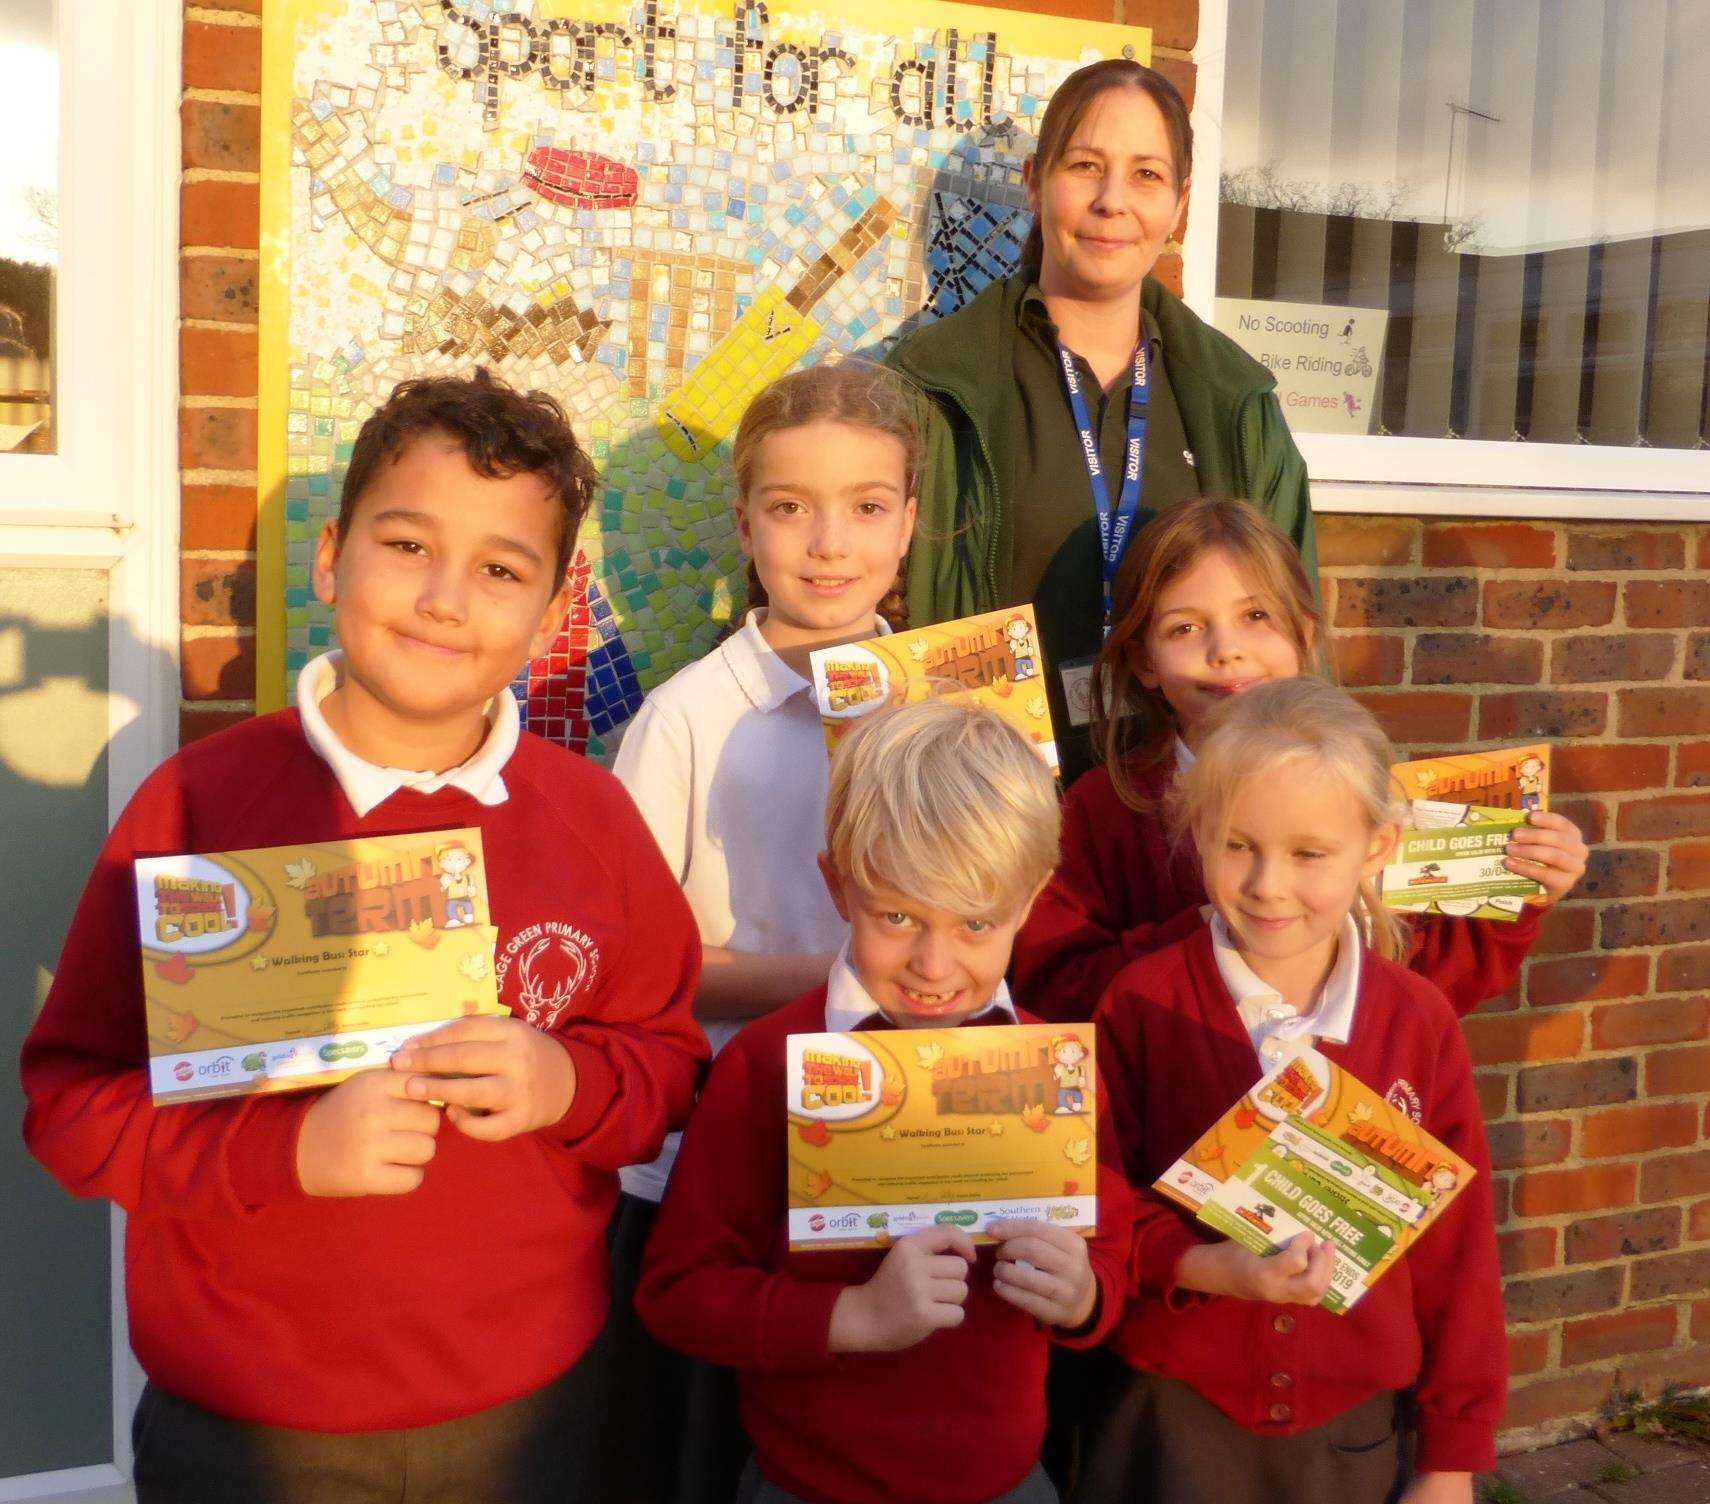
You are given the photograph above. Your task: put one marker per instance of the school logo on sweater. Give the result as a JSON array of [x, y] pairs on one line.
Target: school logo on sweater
[[554, 962], [1403, 1098]]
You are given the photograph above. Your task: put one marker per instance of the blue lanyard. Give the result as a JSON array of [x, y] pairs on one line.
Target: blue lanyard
[[1113, 528]]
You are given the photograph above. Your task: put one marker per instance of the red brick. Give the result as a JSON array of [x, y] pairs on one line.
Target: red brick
[[218, 668], [220, 213], [1698, 656], [1348, 541], [1584, 1083], [1548, 1193], [1671, 1274], [1599, 1337], [1663, 921], [1610, 765], [1529, 1141], [1632, 1130], [1526, 1250], [1620, 658], [1692, 769], [1568, 928], [1184, 76], [1704, 548], [1528, 1352], [1596, 1240], [1701, 1320], [217, 362], [1629, 549], [1549, 603], [216, 438], [1664, 818], [1368, 659], [1492, 1087], [1473, 658], [1674, 1073], [1578, 979], [1650, 1374], [1499, 1194], [220, 135], [1407, 601], [218, 517], [1551, 1399], [194, 724], [1684, 970], [1528, 1035], [1661, 1020], [1689, 865], [1489, 545], [252, 6], [1174, 23], [222, 57], [1553, 1295], [1616, 872], [219, 288], [1411, 718], [217, 592], [1665, 711], [1668, 1177], [1542, 712], [1698, 1222], [1668, 603]]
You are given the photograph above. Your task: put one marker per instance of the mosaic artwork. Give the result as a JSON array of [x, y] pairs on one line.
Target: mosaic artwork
[[647, 212]]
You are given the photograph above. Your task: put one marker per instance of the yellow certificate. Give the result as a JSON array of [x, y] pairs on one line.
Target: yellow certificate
[[892, 1131], [296, 966]]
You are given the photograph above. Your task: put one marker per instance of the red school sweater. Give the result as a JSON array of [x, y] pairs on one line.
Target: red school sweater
[[328, 1314], [1122, 889], [956, 1419], [1176, 1056]]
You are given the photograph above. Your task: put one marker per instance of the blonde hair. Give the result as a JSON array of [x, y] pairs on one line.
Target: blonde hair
[[1286, 723], [1132, 723], [946, 803], [858, 393]]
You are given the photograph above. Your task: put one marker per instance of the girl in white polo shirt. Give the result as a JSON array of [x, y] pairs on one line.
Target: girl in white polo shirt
[[727, 762]]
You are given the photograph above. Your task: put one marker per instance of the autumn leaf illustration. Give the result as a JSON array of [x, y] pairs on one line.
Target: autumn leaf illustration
[[1036, 707], [179, 1026], [174, 969], [818, 1182], [890, 1093], [815, 1133], [917, 650], [298, 873], [473, 965], [928, 1055], [261, 915], [1071, 1187], [424, 934], [1034, 1117], [1245, 1116], [1002, 686], [1078, 1151]]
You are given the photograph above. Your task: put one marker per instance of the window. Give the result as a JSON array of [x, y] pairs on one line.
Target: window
[[1472, 237], [29, 224]]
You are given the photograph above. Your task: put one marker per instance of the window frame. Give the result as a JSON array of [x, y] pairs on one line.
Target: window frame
[[1379, 473]]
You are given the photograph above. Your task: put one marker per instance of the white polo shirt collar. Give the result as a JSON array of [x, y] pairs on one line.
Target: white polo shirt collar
[[1275, 1025], [848, 1004], [763, 677], [367, 785]]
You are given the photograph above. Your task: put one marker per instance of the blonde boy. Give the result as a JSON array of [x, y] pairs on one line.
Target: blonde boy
[[872, 1376]]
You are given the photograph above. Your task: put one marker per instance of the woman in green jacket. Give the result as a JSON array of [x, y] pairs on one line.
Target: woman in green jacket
[[1007, 493]]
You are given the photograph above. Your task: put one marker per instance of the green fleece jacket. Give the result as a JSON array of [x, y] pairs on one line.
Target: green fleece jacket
[[964, 538]]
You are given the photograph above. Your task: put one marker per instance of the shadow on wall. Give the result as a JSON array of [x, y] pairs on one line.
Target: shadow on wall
[[55, 750]]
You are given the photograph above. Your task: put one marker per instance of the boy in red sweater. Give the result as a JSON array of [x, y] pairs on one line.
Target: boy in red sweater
[[356, 1293], [916, 1374]]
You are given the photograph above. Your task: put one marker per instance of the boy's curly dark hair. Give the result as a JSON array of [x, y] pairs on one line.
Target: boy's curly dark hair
[[504, 432]]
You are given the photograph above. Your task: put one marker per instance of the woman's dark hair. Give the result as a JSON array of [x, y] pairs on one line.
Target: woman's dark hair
[[503, 433], [1068, 107]]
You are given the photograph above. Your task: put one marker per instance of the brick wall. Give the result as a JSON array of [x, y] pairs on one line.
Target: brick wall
[[1595, 1073]]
